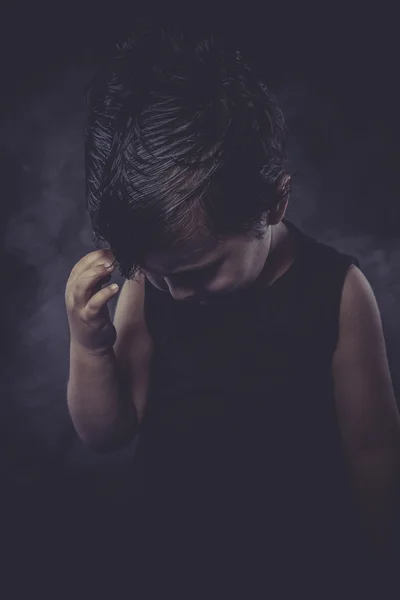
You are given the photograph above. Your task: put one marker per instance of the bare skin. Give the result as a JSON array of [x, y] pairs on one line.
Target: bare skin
[[368, 414], [103, 383]]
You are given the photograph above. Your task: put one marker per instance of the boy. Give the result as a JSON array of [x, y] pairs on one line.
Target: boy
[[249, 357]]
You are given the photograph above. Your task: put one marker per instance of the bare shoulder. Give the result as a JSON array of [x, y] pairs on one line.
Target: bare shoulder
[[365, 400], [359, 309], [357, 287], [360, 325]]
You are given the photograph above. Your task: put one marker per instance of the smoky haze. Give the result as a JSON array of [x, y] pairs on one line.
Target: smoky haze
[[49, 232], [344, 186]]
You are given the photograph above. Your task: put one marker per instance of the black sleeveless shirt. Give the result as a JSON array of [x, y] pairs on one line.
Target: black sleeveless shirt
[[240, 447]]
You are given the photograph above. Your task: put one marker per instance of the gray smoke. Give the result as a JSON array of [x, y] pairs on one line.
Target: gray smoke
[[50, 231]]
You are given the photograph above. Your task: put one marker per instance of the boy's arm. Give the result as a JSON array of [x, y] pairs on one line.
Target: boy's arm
[[107, 388], [133, 347], [367, 411]]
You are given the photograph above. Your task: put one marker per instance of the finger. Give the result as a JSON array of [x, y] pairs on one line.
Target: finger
[[90, 282], [96, 302], [100, 284], [90, 259]]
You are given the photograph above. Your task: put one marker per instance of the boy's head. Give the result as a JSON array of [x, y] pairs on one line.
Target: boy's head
[[185, 162]]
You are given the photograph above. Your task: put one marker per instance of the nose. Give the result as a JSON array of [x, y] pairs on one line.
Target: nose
[[179, 292]]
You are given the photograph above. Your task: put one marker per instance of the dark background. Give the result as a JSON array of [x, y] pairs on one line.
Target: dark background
[[335, 72]]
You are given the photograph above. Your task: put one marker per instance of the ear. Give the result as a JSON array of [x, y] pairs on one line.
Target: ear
[[276, 214]]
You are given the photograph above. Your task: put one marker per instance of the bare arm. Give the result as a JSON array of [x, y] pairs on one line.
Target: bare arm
[[108, 374], [133, 347], [103, 417], [368, 414]]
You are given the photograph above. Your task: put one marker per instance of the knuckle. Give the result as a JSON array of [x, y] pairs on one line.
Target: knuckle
[[96, 269], [92, 305], [103, 253], [95, 253], [86, 315], [77, 288], [74, 298]]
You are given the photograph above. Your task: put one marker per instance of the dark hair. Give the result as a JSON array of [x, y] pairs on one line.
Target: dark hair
[[181, 139]]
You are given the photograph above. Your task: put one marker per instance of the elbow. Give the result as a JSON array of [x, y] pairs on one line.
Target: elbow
[[105, 438], [112, 440]]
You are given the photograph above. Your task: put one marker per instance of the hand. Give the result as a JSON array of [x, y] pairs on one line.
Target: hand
[[86, 301]]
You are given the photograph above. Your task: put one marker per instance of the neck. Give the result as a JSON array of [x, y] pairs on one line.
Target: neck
[[280, 253]]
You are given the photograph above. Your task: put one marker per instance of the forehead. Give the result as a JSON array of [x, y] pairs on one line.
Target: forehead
[[185, 256]]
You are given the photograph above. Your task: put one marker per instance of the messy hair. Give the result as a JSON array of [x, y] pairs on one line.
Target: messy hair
[[181, 141]]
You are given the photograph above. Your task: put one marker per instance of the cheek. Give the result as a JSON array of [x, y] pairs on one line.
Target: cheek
[[228, 279], [219, 285]]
